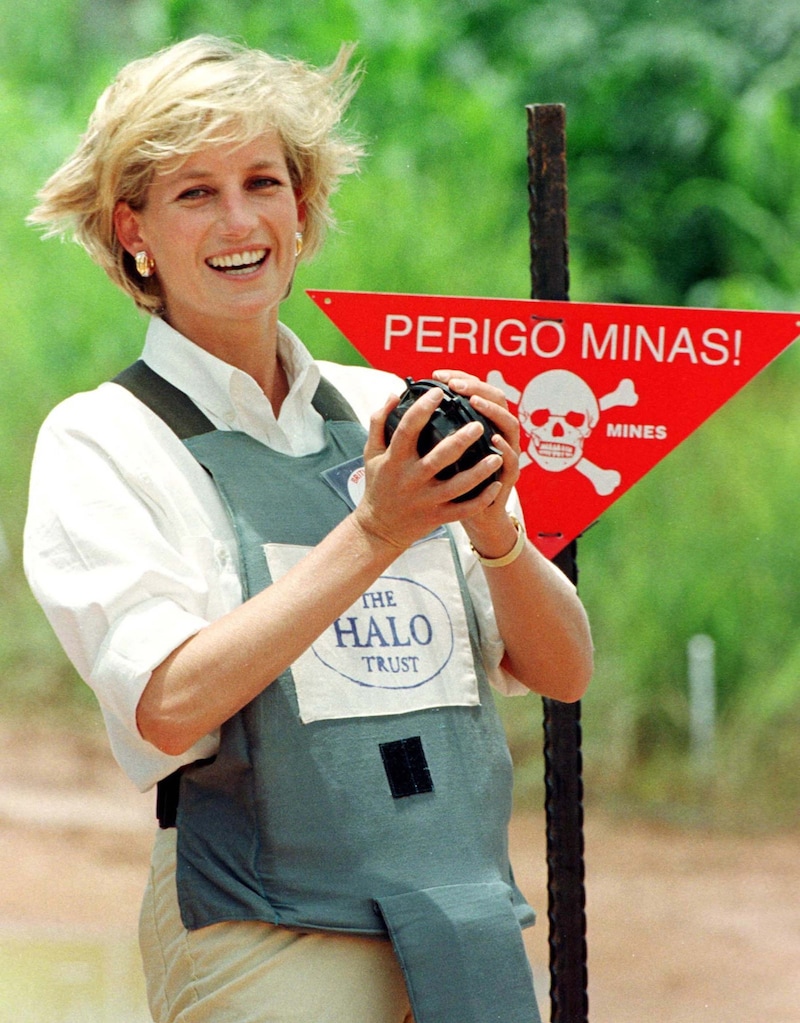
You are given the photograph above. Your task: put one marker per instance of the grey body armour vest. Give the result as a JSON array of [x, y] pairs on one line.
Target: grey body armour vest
[[381, 824]]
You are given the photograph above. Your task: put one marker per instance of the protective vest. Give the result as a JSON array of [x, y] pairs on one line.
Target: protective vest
[[368, 788]]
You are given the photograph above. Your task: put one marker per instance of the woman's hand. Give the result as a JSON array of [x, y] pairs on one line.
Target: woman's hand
[[541, 620], [489, 528], [404, 500]]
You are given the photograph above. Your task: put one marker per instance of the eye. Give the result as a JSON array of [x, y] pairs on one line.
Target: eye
[[264, 183], [540, 416], [576, 419], [196, 192]]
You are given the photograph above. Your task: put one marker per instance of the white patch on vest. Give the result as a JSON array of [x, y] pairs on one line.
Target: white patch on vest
[[403, 645]]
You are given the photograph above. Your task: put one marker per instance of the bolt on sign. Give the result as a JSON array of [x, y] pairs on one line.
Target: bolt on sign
[[603, 392]]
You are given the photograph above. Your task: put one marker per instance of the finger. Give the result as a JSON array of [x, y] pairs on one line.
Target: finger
[[457, 380], [506, 449], [489, 401], [499, 416], [468, 385], [376, 437], [450, 451], [510, 472], [459, 510], [406, 436], [451, 448]]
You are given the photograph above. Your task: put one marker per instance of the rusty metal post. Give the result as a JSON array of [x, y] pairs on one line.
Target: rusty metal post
[[569, 1001]]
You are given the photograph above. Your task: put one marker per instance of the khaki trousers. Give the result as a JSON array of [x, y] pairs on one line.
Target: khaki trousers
[[256, 972]]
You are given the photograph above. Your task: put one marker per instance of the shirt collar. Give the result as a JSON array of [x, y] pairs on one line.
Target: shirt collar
[[231, 398]]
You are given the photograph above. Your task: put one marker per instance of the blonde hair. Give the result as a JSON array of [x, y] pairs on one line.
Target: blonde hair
[[203, 91]]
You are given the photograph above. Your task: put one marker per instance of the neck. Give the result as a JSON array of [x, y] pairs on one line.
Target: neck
[[278, 387], [251, 347]]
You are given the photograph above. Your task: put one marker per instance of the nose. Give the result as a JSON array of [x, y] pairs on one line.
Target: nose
[[558, 429], [237, 215]]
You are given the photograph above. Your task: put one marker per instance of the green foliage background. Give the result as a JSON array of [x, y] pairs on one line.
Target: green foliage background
[[684, 176]]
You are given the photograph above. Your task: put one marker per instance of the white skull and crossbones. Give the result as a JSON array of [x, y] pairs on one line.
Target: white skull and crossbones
[[558, 411]]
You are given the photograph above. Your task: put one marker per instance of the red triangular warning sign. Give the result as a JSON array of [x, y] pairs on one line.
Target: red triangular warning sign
[[603, 392]]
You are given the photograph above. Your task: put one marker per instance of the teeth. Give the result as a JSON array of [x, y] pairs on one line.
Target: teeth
[[553, 450], [237, 259]]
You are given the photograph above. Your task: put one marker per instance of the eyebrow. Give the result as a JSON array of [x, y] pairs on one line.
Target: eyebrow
[[199, 172]]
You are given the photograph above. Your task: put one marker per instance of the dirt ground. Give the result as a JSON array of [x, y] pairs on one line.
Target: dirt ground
[[683, 927]]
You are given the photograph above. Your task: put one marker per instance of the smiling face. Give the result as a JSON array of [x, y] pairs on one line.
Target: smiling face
[[221, 228]]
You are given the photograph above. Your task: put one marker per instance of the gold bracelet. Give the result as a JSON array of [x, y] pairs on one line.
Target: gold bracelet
[[513, 554]]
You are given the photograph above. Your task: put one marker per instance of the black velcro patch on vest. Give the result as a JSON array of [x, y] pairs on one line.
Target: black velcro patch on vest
[[406, 767]]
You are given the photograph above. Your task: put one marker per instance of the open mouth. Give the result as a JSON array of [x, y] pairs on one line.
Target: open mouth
[[238, 264]]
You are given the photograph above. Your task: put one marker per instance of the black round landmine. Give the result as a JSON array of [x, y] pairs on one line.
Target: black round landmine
[[453, 412]]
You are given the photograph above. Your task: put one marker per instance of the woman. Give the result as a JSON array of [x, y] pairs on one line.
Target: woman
[[302, 673]]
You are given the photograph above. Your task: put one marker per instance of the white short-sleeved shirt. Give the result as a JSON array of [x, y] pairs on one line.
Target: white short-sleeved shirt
[[127, 545]]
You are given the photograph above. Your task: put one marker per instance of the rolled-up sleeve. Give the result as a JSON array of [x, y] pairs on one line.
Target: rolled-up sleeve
[[134, 646], [118, 554]]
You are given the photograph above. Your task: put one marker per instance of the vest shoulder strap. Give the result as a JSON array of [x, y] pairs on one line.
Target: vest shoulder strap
[[331, 404], [186, 420], [177, 409]]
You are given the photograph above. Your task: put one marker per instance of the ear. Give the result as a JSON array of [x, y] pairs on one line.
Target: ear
[[126, 225], [301, 216]]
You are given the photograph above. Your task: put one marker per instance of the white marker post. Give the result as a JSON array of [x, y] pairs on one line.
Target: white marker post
[[702, 701]]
